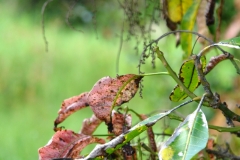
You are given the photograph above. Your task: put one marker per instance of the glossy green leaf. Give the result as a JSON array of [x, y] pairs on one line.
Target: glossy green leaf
[[231, 43], [187, 23], [188, 139], [188, 75]]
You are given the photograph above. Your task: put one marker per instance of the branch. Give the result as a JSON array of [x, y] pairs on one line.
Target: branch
[[222, 153], [172, 73]]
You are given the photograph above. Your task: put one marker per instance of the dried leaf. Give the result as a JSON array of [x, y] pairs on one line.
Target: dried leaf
[[71, 105], [102, 96], [66, 144], [121, 123], [201, 22], [151, 139], [90, 125]]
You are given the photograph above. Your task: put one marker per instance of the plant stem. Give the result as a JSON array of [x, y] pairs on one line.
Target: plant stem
[[217, 128], [153, 74], [172, 73]]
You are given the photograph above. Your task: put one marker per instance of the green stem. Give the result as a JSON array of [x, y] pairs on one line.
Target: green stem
[[224, 129], [172, 73], [235, 59], [217, 128], [154, 74]]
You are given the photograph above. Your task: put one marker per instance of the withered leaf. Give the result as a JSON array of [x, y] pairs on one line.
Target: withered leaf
[[90, 125], [121, 122], [71, 105], [66, 144], [104, 92]]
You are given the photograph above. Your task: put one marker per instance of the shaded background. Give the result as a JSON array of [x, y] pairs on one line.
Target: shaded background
[[33, 82]]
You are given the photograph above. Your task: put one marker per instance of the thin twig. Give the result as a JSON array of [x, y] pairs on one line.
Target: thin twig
[[119, 49], [68, 15], [43, 24]]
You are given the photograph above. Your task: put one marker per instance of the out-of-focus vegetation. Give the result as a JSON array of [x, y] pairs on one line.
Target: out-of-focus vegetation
[[33, 83]]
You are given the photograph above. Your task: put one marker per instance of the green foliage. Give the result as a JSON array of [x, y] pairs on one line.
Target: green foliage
[[188, 75], [188, 139]]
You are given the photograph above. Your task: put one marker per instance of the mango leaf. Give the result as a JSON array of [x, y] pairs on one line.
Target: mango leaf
[[105, 94], [66, 144], [231, 43], [189, 76], [187, 23], [108, 92], [202, 20], [90, 125], [121, 122], [69, 106], [188, 139], [176, 9], [124, 138]]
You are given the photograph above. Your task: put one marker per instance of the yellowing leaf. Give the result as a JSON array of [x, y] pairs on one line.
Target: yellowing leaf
[[187, 23], [177, 8]]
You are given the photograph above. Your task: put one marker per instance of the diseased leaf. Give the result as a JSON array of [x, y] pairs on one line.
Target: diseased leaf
[[188, 75], [177, 8], [121, 123], [90, 125], [188, 139], [71, 105], [210, 12], [201, 21], [126, 137], [104, 93], [66, 144], [174, 10], [187, 23]]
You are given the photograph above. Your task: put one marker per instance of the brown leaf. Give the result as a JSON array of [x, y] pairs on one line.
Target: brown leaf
[[66, 144], [103, 93], [121, 123], [151, 138], [71, 105], [90, 125], [201, 22]]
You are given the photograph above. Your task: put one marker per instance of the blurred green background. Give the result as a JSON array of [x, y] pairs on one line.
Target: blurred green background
[[33, 82]]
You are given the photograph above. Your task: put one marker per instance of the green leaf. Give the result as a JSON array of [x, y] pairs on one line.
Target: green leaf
[[231, 43], [188, 139], [187, 23], [188, 75]]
